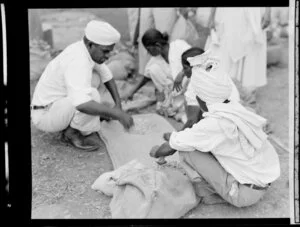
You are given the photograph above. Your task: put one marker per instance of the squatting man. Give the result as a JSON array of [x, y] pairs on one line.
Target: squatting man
[[226, 152], [64, 98]]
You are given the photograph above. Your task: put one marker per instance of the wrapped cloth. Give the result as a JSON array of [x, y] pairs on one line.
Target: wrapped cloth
[[212, 86], [248, 125]]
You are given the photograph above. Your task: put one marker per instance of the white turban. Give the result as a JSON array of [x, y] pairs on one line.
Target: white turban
[[211, 87], [102, 33]]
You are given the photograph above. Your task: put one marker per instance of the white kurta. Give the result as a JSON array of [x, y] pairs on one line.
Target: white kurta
[[242, 44], [69, 74], [65, 84]]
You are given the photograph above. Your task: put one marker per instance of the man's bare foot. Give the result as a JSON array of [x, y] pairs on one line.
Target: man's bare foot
[[75, 138]]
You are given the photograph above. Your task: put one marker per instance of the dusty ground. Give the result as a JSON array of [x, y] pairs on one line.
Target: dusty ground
[[62, 176]]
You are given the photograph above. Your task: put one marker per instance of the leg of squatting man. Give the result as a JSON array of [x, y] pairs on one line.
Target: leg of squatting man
[[62, 116], [85, 123], [221, 181], [55, 117], [202, 188]]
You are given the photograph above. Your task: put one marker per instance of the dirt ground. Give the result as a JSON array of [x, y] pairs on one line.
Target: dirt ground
[[62, 175]]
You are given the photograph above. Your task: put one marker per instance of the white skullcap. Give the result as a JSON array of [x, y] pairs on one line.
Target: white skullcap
[[210, 87], [102, 33]]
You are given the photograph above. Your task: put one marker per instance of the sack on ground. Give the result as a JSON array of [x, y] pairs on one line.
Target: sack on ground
[[121, 65], [143, 192]]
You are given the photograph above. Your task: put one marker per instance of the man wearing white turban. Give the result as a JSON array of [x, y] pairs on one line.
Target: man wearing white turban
[[226, 153], [65, 98], [208, 62]]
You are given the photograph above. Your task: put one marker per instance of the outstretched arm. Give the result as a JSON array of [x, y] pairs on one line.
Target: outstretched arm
[[112, 88], [94, 108], [193, 113], [139, 84], [178, 81]]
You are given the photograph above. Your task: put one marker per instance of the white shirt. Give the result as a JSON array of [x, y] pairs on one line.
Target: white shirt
[[208, 136], [69, 74], [158, 70]]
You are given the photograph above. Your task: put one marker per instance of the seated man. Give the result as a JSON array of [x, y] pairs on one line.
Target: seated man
[[64, 99], [227, 150]]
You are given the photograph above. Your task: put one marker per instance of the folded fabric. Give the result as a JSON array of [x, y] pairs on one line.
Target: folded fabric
[[249, 125]]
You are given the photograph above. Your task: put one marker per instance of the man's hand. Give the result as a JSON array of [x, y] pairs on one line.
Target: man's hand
[[162, 151], [177, 85], [126, 120], [167, 136], [153, 151], [119, 105], [178, 82]]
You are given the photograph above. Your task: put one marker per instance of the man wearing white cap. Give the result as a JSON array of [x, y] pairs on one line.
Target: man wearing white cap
[[226, 153], [64, 98]]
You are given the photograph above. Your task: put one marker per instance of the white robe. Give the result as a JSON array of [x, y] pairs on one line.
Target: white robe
[[163, 19], [242, 45]]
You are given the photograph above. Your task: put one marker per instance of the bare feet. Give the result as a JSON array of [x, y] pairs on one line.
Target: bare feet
[[76, 139]]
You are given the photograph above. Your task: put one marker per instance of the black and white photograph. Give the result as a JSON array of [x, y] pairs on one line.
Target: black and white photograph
[[163, 113]]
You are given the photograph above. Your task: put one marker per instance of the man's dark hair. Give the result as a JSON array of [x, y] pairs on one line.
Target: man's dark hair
[[192, 52], [152, 36], [87, 41]]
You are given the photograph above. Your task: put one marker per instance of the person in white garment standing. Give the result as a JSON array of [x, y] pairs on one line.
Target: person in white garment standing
[[227, 152], [239, 35], [162, 19], [64, 98]]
